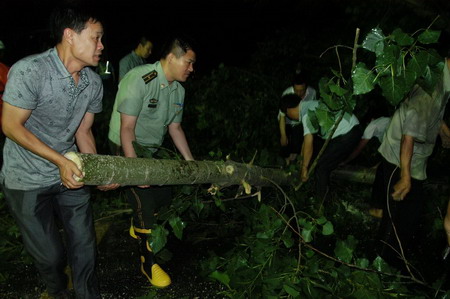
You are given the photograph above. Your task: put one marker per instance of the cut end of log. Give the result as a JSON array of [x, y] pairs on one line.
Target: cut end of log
[[72, 156], [229, 169]]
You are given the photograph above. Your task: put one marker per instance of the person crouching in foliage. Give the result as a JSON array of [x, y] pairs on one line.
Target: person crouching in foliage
[[149, 103], [291, 132], [343, 141]]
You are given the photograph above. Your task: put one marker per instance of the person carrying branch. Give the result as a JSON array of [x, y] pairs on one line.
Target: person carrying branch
[[49, 104], [149, 103]]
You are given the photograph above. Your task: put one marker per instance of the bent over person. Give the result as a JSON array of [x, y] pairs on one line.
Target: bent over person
[[49, 105], [291, 130], [149, 103]]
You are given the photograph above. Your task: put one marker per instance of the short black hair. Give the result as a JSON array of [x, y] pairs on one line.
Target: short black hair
[[143, 40], [178, 45], [300, 78], [71, 16], [289, 101]]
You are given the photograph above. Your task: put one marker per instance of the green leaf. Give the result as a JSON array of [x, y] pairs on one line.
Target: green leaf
[[165, 255], [325, 119], [369, 285], [351, 103], [221, 277], [418, 63], [158, 238], [291, 291], [343, 252], [390, 61], [177, 226], [344, 249], [324, 89], [151, 293], [197, 206], [363, 79], [337, 89], [143, 151], [309, 253], [431, 77], [393, 89], [307, 235], [380, 265], [265, 235], [363, 292], [309, 288], [314, 120], [429, 36], [402, 38], [334, 103], [186, 190], [327, 229], [287, 240], [362, 262], [368, 279], [219, 203], [322, 220], [409, 79], [374, 41], [333, 273], [336, 73], [434, 57]]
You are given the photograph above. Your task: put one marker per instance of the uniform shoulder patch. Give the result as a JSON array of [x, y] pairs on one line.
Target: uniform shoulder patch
[[149, 76]]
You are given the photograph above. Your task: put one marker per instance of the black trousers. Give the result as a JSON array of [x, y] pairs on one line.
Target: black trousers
[[338, 150], [145, 202], [400, 218], [294, 135]]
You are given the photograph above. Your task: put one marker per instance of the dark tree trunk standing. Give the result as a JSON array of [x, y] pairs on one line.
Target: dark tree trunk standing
[[103, 169]]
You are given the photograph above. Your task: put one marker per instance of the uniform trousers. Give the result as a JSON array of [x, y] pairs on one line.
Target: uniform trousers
[[145, 202]]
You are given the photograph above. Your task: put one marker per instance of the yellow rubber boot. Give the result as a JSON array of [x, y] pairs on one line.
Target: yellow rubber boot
[[154, 273]]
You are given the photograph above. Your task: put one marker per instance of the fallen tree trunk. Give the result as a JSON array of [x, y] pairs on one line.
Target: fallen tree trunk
[[103, 169], [364, 175], [354, 173]]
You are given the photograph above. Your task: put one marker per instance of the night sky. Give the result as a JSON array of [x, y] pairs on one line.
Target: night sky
[[226, 31]]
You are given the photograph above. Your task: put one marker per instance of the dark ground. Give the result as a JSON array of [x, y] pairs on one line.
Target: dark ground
[[120, 277], [119, 274]]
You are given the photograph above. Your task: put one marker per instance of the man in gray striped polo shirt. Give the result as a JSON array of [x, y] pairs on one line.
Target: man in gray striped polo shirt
[[49, 105]]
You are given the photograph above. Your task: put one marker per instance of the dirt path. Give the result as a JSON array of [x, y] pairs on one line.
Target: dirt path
[[118, 270]]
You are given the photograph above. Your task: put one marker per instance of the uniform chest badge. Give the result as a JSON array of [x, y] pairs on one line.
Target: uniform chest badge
[[152, 103]]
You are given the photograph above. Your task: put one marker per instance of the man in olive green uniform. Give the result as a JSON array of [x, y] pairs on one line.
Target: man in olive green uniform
[[149, 103]]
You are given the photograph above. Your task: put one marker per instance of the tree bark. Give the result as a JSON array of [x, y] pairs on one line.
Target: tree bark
[[355, 174], [103, 169]]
